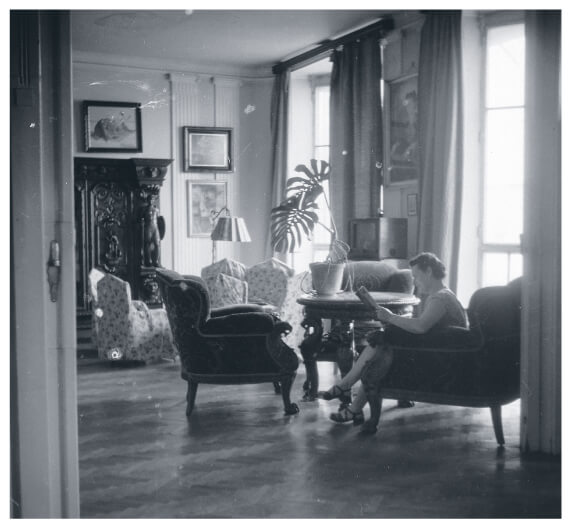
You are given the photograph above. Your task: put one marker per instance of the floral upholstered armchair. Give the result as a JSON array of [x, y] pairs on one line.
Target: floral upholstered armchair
[[237, 344], [128, 329], [271, 283]]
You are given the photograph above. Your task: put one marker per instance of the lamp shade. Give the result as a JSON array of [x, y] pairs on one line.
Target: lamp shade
[[232, 229]]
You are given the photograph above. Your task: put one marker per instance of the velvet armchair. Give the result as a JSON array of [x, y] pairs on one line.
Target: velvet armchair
[[474, 367], [237, 344]]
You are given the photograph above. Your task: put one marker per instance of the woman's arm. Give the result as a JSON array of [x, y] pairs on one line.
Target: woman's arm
[[432, 314]]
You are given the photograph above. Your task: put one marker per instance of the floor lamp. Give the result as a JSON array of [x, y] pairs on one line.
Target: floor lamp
[[228, 228]]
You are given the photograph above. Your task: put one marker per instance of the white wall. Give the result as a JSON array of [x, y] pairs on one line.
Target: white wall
[[254, 154]]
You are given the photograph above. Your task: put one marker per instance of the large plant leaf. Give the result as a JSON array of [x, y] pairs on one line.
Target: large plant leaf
[[289, 225], [295, 218]]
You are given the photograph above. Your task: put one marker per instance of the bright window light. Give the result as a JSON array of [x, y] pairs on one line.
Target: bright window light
[[503, 175]]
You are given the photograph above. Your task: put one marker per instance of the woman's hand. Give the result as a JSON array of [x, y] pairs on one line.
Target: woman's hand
[[383, 314]]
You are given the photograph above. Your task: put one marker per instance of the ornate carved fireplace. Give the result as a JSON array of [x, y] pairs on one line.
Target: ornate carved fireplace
[[117, 223]]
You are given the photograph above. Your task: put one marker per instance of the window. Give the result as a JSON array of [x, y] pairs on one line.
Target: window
[[318, 248], [322, 237], [503, 155]]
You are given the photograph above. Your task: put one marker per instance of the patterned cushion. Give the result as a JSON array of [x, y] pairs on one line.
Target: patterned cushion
[[267, 281], [225, 290]]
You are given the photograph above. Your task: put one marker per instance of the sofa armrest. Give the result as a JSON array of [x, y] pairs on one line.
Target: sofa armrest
[[241, 324], [451, 339]]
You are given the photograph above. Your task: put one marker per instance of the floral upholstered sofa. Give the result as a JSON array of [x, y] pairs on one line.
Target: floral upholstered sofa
[[271, 282], [127, 329]]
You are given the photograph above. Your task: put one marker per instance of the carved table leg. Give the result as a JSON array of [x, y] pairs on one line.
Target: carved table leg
[[309, 348]]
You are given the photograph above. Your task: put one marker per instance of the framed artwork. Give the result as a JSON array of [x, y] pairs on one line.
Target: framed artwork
[[402, 130], [112, 126], [412, 204], [202, 199], [207, 149]]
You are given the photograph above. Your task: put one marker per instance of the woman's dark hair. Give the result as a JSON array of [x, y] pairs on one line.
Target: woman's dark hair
[[429, 260]]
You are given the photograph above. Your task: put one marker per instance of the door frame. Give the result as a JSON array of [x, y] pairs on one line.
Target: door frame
[[44, 435]]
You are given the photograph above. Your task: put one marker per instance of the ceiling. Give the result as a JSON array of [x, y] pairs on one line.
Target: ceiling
[[232, 41]]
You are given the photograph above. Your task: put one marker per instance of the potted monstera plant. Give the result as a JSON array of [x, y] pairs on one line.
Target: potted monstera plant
[[295, 218]]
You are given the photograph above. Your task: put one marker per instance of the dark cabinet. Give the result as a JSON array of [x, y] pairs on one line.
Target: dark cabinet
[[378, 238], [115, 199]]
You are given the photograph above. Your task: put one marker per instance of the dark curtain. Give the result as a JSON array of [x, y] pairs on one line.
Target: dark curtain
[[279, 119], [355, 132], [440, 130]]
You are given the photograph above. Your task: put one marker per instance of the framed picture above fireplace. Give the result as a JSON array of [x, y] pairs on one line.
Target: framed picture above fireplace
[[111, 126]]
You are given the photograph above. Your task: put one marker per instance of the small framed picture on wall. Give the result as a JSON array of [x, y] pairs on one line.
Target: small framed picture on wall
[[204, 199], [412, 204], [207, 149]]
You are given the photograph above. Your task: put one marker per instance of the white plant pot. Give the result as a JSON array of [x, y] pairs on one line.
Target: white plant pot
[[326, 277]]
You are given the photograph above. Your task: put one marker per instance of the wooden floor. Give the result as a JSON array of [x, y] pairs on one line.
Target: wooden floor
[[239, 457]]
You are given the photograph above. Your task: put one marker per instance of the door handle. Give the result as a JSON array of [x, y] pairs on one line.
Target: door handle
[[53, 269]]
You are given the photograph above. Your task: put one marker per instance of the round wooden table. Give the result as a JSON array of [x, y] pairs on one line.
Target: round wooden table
[[351, 320]]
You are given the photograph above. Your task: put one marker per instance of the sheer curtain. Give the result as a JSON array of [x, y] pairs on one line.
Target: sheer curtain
[[440, 129], [355, 132], [279, 121]]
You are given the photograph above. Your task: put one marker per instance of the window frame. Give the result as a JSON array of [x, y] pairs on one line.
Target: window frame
[[487, 22]]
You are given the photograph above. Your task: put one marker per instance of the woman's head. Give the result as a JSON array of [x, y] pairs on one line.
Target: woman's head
[[426, 268]]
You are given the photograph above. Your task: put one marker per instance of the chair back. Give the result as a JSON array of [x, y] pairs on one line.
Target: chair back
[[495, 311], [114, 303], [268, 281], [114, 299], [187, 304], [94, 277], [230, 267], [376, 276]]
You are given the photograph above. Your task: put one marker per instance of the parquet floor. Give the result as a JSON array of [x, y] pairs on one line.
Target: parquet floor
[[239, 457]]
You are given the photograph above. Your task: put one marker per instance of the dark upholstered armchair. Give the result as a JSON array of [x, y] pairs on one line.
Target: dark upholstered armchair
[[237, 344], [475, 367]]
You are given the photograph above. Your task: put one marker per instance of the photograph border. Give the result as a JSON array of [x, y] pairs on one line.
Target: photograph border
[[397, 173], [192, 230], [412, 204], [190, 165], [87, 105]]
